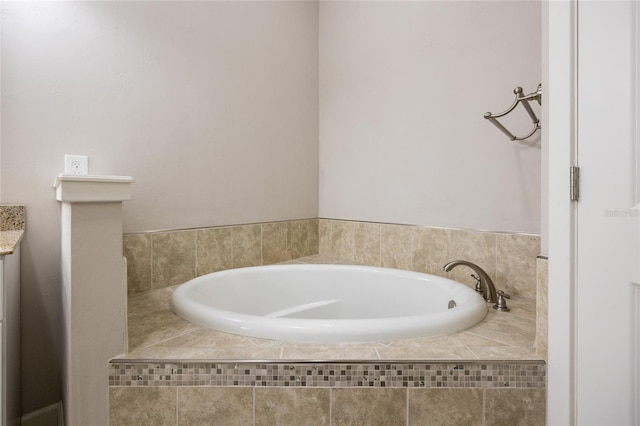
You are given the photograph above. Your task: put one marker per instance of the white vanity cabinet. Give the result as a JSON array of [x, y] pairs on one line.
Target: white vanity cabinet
[[10, 338]]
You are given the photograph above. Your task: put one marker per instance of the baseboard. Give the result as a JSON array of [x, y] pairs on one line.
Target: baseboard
[[51, 415]]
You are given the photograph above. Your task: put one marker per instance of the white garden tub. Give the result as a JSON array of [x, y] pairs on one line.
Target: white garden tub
[[328, 303]]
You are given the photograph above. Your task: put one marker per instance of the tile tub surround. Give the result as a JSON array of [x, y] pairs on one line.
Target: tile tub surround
[[326, 394], [163, 259], [542, 301], [509, 259], [180, 373], [157, 333], [12, 225]]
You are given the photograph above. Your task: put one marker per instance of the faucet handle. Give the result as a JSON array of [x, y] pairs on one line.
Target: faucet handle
[[503, 294], [501, 304], [478, 283]]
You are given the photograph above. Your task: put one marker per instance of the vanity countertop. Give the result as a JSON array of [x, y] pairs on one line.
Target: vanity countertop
[[12, 226], [9, 240]]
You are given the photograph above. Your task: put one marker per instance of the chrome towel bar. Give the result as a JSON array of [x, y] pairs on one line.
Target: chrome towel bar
[[524, 99]]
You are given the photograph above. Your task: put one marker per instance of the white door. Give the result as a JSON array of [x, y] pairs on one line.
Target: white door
[[607, 271]]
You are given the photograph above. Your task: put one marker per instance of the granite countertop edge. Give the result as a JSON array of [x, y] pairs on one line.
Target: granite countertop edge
[[12, 225], [9, 240]]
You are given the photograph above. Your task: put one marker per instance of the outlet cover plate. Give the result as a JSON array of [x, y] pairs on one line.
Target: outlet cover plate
[[76, 164]]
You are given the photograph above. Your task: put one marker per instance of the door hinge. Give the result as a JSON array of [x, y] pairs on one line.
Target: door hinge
[[574, 183]]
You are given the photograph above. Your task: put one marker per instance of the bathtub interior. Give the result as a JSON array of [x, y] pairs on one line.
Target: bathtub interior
[[311, 295]]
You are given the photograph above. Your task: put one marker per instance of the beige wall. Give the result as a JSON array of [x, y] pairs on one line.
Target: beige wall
[[210, 106], [403, 90]]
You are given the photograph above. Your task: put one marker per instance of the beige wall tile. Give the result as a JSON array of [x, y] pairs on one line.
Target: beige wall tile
[[274, 243], [542, 302], [164, 259], [455, 340], [369, 406], [207, 338], [137, 250], [314, 237], [215, 250], [324, 236], [503, 352], [395, 246], [298, 238], [218, 353], [507, 329], [142, 406], [215, 405], [430, 250], [445, 406], [205, 343], [141, 304], [342, 242], [522, 307], [516, 263], [367, 243], [247, 245], [174, 258], [292, 406], [333, 351], [473, 246], [320, 259], [156, 327], [425, 352], [515, 407]]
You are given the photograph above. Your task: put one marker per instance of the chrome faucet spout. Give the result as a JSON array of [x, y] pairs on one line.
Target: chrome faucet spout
[[486, 284]]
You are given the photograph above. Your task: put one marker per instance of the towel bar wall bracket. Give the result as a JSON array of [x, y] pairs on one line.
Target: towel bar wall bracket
[[524, 100]]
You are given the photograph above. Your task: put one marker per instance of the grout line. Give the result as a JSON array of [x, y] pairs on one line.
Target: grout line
[[332, 244], [353, 243], [287, 249], [521, 316], [471, 350], [232, 249], [381, 261], [177, 406], [484, 410], [254, 405], [195, 239], [499, 341], [289, 239], [151, 266], [407, 408], [330, 406], [261, 244]]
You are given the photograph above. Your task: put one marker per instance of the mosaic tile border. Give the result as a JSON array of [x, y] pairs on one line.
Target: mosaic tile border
[[339, 375]]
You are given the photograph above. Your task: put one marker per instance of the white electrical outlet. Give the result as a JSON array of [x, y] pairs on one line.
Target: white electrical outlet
[[76, 164]]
